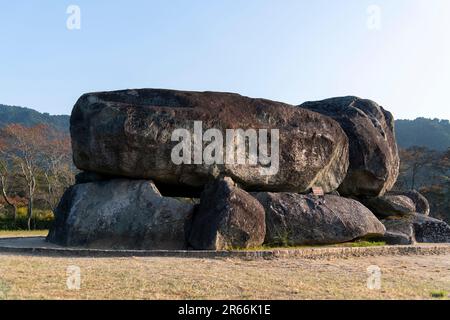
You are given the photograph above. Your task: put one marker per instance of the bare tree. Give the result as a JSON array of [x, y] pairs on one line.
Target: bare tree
[[25, 146], [5, 173], [58, 170], [414, 159]]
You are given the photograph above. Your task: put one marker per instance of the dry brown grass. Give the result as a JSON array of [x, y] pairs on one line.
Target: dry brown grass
[[407, 277], [34, 233]]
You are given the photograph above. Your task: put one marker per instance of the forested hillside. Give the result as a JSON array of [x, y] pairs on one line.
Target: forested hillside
[[430, 133], [29, 118]]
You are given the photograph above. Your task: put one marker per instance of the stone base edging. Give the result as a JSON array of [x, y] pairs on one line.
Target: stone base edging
[[7, 246]]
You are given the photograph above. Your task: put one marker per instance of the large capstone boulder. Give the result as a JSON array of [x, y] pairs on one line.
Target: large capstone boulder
[[120, 214], [227, 217], [129, 134], [421, 203], [294, 219], [390, 205], [374, 160]]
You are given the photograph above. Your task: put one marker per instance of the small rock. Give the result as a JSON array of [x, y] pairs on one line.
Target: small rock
[[418, 228], [390, 205], [431, 230], [399, 231], [421, 203]]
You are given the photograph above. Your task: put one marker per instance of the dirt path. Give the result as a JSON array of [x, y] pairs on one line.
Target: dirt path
[[403, 277]]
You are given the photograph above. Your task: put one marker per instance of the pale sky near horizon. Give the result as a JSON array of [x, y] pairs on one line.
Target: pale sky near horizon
[[287, 50]]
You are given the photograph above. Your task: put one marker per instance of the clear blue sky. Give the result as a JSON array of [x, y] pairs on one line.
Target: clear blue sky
[[287, 50]]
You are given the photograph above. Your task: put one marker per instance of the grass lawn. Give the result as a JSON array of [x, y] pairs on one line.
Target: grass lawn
[[402, 277], [34, 233]]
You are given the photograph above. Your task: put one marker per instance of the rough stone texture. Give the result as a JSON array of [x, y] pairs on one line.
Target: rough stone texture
[[421, 203], [294, 219], [128, 133], [430, 230], [418, 228], [227, 217], [119, 214], [374, 160], [396, 238], [390, 205], [399, 231], [87, 176]]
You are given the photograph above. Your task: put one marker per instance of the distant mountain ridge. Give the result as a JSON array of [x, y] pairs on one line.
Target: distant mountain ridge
[[431, 133], [29, 117]]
